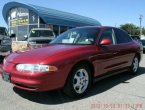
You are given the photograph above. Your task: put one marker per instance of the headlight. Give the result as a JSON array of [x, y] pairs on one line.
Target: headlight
[[35, 68]]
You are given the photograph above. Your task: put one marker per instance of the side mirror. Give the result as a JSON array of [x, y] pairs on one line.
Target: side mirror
[[105, 41], [12, 35]]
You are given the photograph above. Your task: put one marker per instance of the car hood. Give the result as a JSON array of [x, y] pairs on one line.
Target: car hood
[[41, 38], [39, 55]]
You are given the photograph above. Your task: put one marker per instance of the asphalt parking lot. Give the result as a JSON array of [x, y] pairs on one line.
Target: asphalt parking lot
[[120, 92]]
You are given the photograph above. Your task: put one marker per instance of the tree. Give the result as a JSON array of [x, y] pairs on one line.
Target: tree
[[130, 28], [143, 31]]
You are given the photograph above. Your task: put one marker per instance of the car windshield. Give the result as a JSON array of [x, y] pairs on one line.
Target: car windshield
[[2, 31], [41, 33], [86, 36]]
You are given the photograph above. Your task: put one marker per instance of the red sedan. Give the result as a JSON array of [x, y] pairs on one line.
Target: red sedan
[[73, 60]]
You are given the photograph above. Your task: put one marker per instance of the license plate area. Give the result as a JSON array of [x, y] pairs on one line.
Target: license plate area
[[6, 77]]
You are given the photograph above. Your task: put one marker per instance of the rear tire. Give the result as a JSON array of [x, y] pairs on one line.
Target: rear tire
[[79, 81], [135, 65]]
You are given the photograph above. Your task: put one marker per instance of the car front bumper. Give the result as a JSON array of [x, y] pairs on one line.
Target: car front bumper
[[34, 81]]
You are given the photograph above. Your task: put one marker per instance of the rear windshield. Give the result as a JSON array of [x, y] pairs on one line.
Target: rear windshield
[[41, 33]]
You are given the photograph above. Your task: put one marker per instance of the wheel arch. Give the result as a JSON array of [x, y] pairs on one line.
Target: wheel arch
[[139, 56], [86, 62]]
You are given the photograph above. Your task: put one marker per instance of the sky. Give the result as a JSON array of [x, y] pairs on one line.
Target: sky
[[107, 12]]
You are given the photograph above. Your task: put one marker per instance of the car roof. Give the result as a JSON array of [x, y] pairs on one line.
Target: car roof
[[101, 27]]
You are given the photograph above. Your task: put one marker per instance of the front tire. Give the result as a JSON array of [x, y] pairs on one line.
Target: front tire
[[135, 65], [79, 81]]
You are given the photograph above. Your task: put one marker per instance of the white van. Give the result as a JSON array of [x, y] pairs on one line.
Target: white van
[[40, 36]]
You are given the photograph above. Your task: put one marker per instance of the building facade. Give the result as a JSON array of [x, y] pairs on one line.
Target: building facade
[[21, 18]]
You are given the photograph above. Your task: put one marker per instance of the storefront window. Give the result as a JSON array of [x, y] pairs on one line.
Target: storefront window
[[42, 25], [22, 32], [33, 18], [32, 26], [63, 29], [41, 21], [13, 14], [23, 13], [12, 30], [56, 29], [23, 16]]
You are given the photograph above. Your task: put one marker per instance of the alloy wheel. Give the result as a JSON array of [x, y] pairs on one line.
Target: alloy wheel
[[80, 81], [135, 64]]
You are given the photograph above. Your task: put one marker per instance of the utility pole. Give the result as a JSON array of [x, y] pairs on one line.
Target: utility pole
[[115, 25], [140, 18]]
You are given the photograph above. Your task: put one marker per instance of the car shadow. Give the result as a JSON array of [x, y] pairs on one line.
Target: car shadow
[[57, 97]]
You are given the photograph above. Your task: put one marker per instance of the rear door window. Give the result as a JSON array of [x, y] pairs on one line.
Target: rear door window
[[122, 36]]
